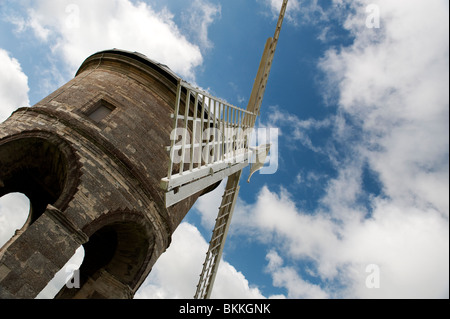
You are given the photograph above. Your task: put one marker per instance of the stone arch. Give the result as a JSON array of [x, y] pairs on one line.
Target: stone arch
[[41, 166], [116, 255]]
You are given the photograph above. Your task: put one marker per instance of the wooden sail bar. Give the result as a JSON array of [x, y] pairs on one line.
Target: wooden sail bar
[[216, 245], [260, 84]]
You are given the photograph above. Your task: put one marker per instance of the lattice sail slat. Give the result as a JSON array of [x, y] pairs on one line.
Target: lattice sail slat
[[216, 245], [209, 142]]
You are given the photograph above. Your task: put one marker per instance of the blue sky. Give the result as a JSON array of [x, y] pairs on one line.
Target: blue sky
[[362, 112]]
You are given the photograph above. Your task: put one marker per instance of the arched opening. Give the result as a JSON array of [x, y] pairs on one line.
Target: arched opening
[[118, 250], [44, 169], [34, 167], [14, 213]]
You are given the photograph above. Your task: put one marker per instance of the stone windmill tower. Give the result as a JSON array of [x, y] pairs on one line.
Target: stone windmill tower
[[94, 161]]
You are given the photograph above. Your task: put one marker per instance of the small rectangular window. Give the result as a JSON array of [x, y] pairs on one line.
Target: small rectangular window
[[100, 111]]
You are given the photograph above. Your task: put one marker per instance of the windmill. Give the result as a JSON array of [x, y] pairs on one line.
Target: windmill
[[209, 143]]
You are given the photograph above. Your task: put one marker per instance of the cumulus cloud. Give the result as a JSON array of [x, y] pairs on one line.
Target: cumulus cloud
[[13, 94], [288, 278], [208, 206], [298, 130], [299, 11], [199, 17], [409, 245], [293, 8], [76, 29], [14, 209], [176, 273], [177, 279], [13, 85], [393, 82]]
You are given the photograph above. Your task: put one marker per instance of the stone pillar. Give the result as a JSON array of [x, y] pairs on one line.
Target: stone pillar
[[34, 258]]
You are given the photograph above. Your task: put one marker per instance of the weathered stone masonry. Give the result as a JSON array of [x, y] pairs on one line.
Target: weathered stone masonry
[[90, 158]]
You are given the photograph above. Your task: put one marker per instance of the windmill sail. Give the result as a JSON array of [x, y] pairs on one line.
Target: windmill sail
[[210, 141], [214, 254]]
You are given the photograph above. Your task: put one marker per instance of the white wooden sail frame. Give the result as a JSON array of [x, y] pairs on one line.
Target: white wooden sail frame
[[209, 142]]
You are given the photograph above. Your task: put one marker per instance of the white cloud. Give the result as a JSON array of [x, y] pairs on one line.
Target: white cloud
[[408, 244], [14, 89], [199, 17], [298, 130], [14, 210], [299, 11], [77, 29], [293, 9], [307, 234], [13, 85], [208, 205], [288, 278], [232, 284], [393, 82], [176, 273]]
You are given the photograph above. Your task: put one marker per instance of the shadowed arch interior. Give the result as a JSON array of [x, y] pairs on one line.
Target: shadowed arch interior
[[35, 167], [119, 244]]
